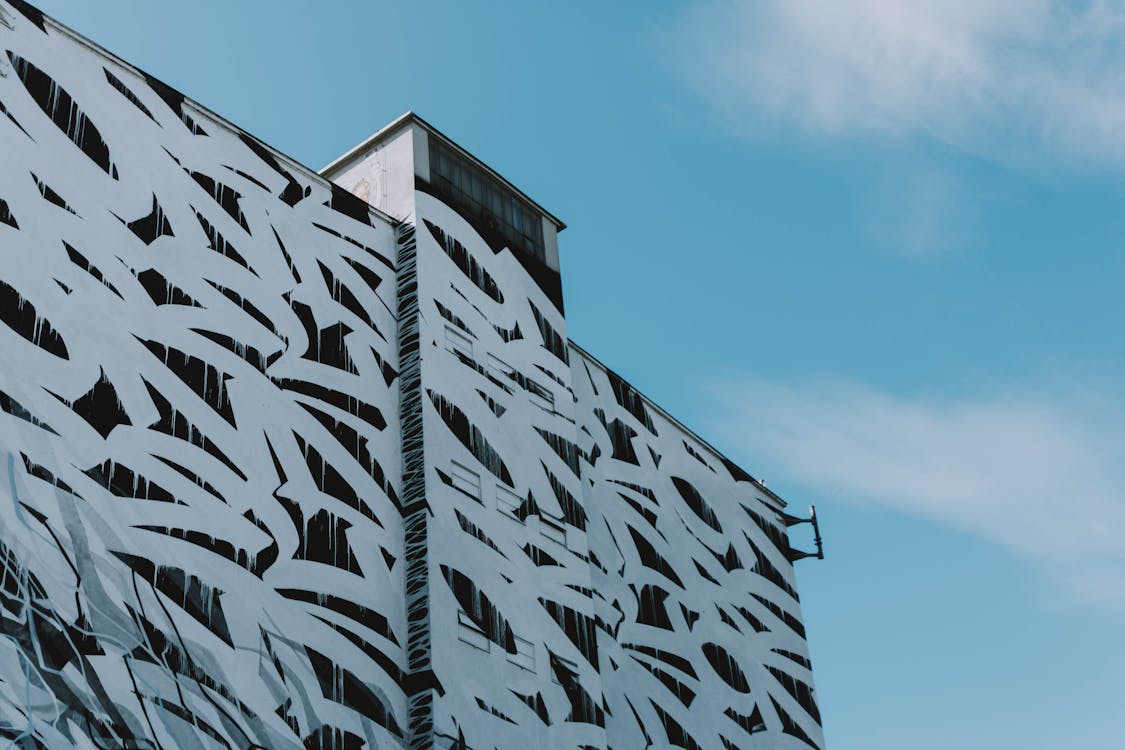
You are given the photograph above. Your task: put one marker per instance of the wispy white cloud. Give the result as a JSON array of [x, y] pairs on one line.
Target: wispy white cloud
[[1008, 79], [1040, 83], [1041, 474], [921, 213]]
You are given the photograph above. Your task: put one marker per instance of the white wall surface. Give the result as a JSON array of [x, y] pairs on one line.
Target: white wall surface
[[198, 524]]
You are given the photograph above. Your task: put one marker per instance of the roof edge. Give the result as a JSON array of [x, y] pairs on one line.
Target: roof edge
[[411, 118], [756, 482], [208, 113]]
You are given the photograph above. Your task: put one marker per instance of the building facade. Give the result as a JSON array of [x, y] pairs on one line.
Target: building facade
[[307, 460]]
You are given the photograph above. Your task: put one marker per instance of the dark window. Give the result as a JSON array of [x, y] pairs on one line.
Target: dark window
[[484, 198]]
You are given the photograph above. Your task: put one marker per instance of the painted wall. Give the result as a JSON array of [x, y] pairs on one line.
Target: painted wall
[[703, 645], [384, 176], [512, 634], [199, 525]]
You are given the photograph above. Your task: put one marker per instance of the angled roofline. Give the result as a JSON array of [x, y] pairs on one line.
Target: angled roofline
[[306, 171], [411, 118], [694, 435], [321, 176]]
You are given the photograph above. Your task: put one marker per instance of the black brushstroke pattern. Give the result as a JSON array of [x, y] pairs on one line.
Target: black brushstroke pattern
[[50, 195], [342, 686], [227, 197], [349, 205], [175, 101], [79, 260], [162, 291], [155, 224], [125, 91], [30, 12], [6, 215], [101, 407], [470, 436], [57, 104], [464, 260], [122, 481], [201, 601], [21, 316], [204, 379]]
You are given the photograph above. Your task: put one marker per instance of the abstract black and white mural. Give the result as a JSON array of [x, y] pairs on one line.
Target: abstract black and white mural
[[282, 470], [200, 530], [512, 634], [702, 642]]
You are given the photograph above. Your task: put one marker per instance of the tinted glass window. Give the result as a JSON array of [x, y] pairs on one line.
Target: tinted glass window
[[468, 189]]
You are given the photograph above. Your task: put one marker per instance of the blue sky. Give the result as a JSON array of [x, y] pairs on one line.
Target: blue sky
[[873, 249]]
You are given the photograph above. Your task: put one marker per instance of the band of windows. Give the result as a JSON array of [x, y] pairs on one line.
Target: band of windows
[[469, 188]]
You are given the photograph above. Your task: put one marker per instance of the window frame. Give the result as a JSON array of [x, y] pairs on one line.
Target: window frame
[[540, 394], [454, 336], [505, 506], [500, 369], [524, 659], [465, 625], [456, 467], [546, 522]]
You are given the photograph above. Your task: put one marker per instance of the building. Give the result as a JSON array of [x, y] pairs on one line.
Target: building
[[307, 460]]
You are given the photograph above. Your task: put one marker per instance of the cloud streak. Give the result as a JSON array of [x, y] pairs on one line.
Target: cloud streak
[[1008, 79], [1040, 475], [923, 213]]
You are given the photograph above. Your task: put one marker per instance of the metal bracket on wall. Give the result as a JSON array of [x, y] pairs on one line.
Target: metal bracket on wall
[[795, 554]]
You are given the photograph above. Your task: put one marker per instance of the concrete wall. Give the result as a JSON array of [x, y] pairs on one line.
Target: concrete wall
[[703, 645], [593, 572], [384, 176], [199, 531], [510, 609]]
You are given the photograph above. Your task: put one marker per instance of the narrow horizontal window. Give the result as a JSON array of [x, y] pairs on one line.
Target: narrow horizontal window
[[500, 369], [468, 632], [458, 343], [508, 502], [468, 189], [556, 532], [465, 479], [540, 395], [524, 658]]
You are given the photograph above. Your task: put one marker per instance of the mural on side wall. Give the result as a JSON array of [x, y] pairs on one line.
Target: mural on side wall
[[199, 531], [511, 609], [702, 644]]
